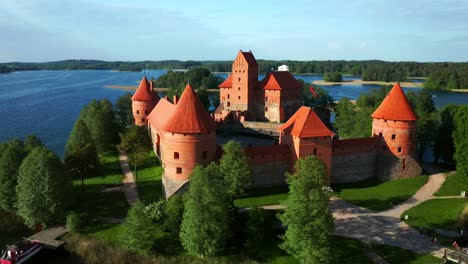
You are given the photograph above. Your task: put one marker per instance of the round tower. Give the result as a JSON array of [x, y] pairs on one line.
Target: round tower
[[394, 122], [189, 138], [143, 101]]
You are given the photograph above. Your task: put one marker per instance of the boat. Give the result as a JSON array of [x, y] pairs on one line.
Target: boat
[[20, 251]]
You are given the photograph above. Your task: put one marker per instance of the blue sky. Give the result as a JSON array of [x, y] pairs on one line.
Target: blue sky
[[394, 30]]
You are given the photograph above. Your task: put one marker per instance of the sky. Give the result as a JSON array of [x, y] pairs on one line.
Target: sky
[[133, 30]]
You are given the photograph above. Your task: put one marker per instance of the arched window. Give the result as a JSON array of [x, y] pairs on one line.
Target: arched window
[[176, 155]]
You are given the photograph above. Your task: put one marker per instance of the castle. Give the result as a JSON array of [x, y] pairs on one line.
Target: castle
[[183, 133]]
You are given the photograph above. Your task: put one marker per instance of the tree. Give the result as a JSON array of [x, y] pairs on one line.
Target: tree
[[32, 141], [443, 143], [345, 117], [333, 77], [205, 225], [10, 161], [123, 111], [139, 233], [234, 167], [136, 142], [81, 157], [255, 230], [321, 102], [100, 120], [174, 213], [460, 141], [43, 190], [307, 215]]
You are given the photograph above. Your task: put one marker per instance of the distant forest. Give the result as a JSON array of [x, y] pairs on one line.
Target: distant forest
[[441, 75]]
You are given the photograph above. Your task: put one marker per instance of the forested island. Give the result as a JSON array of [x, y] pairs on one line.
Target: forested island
[[440, 75]]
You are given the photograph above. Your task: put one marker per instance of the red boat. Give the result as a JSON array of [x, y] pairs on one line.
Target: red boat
[[20, 252]]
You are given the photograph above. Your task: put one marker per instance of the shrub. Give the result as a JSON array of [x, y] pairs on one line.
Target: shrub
[[73, 222]]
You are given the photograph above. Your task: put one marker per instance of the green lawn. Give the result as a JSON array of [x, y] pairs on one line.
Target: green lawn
[[149, 180], [260, 197], [437, 213], [396, 255], [452, 186], [107, 232], [376, 195], [91, 202]]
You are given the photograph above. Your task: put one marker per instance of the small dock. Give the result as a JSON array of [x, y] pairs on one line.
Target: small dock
[[456, 256], [48, 237]]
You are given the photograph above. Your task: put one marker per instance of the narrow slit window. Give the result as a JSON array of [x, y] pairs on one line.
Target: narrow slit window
[[315, 151], [205, 154], [138, 112], [393, 136], [176, 155], [399, 149]]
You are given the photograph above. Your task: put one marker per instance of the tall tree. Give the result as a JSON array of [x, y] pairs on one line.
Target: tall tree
[[307, 215], [235, 169], [443, 143], [100, 120], [205, 225], [136, 142], [460, 140], [139, 233], [345, 117], [123, 111], [32, 141], [10, 161], [43, 190], [81, 157]]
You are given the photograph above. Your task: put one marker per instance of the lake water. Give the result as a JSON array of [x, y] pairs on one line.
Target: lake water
[[46, 103]]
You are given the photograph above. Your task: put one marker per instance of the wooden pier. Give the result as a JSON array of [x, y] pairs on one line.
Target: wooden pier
[[456, 256], [48, 237]]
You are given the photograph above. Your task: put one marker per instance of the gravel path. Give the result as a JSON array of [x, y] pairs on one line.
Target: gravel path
[[129, 185]]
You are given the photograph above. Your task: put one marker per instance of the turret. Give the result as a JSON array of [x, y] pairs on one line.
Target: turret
[[183, 136], [394, 122], [143, 101]]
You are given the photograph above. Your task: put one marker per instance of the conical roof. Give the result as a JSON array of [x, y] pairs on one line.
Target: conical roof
[[395, 106], [190, 116], [145, 92], [305, 123]]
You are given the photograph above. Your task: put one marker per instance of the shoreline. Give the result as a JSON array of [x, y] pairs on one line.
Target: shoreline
[[360, 82]]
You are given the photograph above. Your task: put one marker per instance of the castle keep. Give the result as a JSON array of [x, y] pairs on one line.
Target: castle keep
[[183, 133]]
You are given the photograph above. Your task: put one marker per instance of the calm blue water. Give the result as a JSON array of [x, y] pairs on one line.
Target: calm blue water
[[46, 103]]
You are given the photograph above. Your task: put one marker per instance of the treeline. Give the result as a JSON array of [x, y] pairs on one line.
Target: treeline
[[332, 77], [5, 69]]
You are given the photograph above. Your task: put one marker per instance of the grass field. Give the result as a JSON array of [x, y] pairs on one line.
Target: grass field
[[149, 180], [260, 197], [437, 213], [396, 255], [451, 186], [376, 195]]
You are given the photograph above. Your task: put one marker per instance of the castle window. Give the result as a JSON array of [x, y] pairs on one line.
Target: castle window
[[228, 104], [238, 97], [393, 136], [178, 170], [404, 164], [205, 154], [399, 149], [143, 120], [138, 112], [229, 96], [238, 79], [146, 111], [266, 99], [266, 109], [238, 88], [315, 151], [176, 155], [380, 134]]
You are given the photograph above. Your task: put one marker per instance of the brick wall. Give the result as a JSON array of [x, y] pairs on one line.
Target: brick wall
[[353, 166]]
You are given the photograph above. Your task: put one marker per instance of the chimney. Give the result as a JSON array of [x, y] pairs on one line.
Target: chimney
[[175, 99]]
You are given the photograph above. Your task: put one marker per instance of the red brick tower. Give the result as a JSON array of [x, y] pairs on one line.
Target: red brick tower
[[183, 135], [394, 122], [143, 101], [238, 91]]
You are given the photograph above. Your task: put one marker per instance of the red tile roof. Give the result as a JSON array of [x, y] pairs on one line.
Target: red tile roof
[[249, 57], [189, 115], [279, 80], [227, 83], [305, 123], [395, 106], [145, 92], [161, 113]]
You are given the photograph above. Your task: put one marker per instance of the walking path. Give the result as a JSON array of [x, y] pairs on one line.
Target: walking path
[[129, 185], [385, 227]]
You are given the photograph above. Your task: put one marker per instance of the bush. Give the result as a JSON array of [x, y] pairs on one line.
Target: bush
[[73, 222]]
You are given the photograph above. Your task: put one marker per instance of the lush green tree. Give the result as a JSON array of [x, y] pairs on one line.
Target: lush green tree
[[345, 117], [137, 144], [205, 226], [307, 215], [460, 140], [321, 101], [100, 120], [234, 167], [32, 141], [255, 230], [174, 213], [10, 161], [43, 189], [333, 77], [443, 143], [81, 157], [123, 111], [139, 232]]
